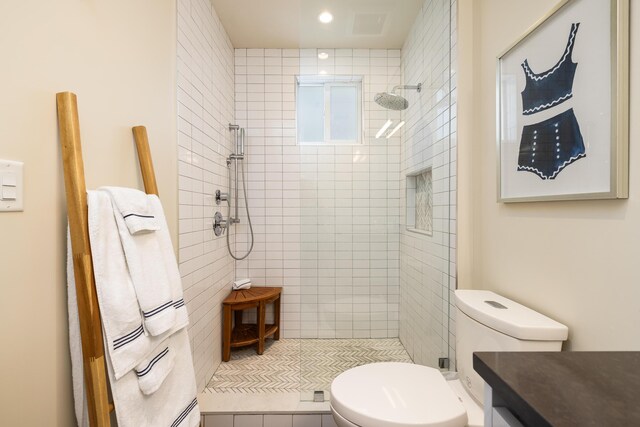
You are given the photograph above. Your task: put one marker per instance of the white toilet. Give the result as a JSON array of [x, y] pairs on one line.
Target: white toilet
[[408, 395]]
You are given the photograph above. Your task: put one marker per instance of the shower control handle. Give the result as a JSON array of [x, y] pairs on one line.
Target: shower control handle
[[221, 197], [219, 224]]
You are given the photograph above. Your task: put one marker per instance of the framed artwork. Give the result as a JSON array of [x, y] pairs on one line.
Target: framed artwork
[[563, 106]]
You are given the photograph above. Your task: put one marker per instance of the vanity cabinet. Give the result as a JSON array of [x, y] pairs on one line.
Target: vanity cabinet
[[496, 414]]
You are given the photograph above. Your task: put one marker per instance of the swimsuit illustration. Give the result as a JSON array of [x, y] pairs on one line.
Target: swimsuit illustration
[[547, 147]]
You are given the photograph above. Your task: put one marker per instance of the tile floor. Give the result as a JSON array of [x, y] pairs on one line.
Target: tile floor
[[300, 365]]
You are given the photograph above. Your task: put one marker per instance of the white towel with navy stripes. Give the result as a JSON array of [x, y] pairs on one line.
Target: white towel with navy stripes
[[139, 230], [122, 318], [134, 208], [172, 403], [154, 369], [152, 379]]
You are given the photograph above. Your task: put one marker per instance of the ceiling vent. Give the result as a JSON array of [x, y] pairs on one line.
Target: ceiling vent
[[368, 24]]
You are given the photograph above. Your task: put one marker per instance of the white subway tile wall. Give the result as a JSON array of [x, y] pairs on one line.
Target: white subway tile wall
[[427, 263], [326, 217], [205, 96]]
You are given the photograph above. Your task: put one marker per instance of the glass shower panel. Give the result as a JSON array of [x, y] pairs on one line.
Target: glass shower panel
[[358, 266], [428, 177]]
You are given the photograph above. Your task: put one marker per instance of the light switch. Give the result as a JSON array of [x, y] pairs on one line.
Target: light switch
[[11, 179], [8, 193]]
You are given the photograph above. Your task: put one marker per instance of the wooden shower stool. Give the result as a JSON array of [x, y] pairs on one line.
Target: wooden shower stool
[[238, 334]]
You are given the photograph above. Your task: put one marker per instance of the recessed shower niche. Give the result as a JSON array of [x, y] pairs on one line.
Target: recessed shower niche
[[420, 202]]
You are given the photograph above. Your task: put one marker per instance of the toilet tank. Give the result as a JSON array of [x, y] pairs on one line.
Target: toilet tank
[[486, 321]]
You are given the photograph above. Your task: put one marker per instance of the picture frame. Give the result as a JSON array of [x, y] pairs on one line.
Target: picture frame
[[562, 97]]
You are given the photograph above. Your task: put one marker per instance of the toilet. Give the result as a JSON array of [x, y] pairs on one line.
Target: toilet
[[407, 395]]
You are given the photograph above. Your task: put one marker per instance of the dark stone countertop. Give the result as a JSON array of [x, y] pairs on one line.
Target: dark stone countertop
[[565, 388]]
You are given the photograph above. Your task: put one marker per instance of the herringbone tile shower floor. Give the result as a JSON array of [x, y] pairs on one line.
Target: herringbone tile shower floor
[[300, 365]]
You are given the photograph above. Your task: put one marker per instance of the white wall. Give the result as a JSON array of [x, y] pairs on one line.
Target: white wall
[[119, 58], [573, 261], [325, 217], [427, 268], [205, 109]]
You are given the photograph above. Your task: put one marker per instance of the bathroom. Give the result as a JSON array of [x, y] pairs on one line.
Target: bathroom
[[146, 62]]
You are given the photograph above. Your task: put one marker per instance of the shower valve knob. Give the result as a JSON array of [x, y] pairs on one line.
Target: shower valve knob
[[219, 224], [221, 197]]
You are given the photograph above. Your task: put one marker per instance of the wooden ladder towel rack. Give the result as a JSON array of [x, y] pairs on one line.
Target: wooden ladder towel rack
[[95, 374]]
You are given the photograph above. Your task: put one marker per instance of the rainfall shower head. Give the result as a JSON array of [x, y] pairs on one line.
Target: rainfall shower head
[[393, 101]]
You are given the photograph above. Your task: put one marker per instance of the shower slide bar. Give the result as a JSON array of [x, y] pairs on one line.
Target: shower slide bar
[[238, 155], [95, 375], [221, 225]]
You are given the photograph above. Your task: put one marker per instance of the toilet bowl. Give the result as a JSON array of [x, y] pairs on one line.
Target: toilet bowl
[[395, 394]]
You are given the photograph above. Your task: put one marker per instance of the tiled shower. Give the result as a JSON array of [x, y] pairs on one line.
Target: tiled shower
[[330, 221], [326, 217]]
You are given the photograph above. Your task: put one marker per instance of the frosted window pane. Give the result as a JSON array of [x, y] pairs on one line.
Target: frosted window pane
[[344, 113], [310, 113]]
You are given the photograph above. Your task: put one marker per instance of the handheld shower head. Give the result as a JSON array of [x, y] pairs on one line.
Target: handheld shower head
[[393, 101]]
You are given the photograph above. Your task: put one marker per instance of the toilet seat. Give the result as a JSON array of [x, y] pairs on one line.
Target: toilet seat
[[396, 395]]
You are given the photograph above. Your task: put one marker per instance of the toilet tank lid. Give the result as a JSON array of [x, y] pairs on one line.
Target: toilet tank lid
[[509, 317]]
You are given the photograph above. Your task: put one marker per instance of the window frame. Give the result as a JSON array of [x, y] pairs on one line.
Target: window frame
[[327, 83]]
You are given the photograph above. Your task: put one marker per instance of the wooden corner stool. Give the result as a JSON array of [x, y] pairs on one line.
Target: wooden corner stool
[[238, 334]]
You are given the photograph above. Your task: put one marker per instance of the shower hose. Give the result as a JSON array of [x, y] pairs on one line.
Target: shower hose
[[246, 206]]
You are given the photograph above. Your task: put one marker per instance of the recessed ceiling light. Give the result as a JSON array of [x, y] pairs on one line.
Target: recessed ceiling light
[[323, 55], [325, 17], [323, 72]]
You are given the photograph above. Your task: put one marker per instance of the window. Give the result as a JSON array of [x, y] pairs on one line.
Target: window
[[329, 110]]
